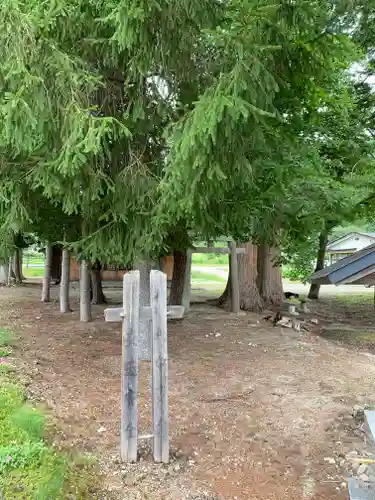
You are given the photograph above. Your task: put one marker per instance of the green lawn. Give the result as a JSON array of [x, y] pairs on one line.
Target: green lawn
[[33, 272], [199, 277], [30, 467]]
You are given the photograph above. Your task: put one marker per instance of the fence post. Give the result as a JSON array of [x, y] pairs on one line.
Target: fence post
[[158, 286], [129, 379], [187, 281]]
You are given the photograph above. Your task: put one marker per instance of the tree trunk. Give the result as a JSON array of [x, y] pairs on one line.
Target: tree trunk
[[85, 304], [178, 279], [97, 294], [10, 271], [4, 273], [23, 278], [17, 266], [225, 300], [250, 299], [46, 287], [64, 284], [323, 241], [269, 276], [277, 276], [56, 265]]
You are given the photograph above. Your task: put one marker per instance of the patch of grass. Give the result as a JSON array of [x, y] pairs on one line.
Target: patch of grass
[[350, 335], [5, 351], [7, 337], [209, 259], [29, 466], [6, 368], [33, 272], [355, 298], [202, 277]]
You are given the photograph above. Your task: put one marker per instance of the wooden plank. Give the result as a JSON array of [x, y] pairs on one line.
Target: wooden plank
[[129, 378], [158, 287], [235, 286], [145, 336], [221, 250], [116, 314], [187, 283]]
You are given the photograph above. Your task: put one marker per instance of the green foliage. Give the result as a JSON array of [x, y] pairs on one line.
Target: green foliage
[[6, 368], [240, 120], [21, 456], [29, 466], [7, 337], [299, 258], [5, 351]]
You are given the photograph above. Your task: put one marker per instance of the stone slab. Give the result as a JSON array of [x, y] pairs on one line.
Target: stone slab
[[360, 491]]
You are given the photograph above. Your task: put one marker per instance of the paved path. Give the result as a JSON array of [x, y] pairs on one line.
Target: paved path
[[295, 287]]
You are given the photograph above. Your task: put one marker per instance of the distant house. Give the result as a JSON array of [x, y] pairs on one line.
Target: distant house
[[347, 245]]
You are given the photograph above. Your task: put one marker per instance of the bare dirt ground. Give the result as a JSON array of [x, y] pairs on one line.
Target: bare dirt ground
[[256, 412]]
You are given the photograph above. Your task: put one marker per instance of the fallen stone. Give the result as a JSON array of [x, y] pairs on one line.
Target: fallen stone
[[361, 469], [358, 412]]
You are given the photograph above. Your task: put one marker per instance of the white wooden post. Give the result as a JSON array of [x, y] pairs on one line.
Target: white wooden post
[[158, 286], [144, 340], [187, 282], [129, 379]]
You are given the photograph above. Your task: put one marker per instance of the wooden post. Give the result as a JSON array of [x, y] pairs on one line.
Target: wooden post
[[46, 287], [129, 379], [64, 284], [84, 293], [144, 340], [187, 284], [10, 270], [235, 287], [158, 285]]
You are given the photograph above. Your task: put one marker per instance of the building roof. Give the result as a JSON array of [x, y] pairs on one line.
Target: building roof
[[358, 268], [346, 236]]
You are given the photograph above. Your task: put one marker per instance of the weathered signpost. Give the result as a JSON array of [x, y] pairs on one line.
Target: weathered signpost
[[152, 346]]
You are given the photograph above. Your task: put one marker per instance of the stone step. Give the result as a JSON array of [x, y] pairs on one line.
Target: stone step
[[370, 427], [360, 491]]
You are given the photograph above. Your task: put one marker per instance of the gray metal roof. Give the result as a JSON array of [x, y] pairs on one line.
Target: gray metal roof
[[358, 268]]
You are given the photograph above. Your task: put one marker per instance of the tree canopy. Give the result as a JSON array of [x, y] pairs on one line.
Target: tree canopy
[[128, 125]]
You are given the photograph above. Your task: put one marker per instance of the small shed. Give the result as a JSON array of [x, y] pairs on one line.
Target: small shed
[[356, 269]]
